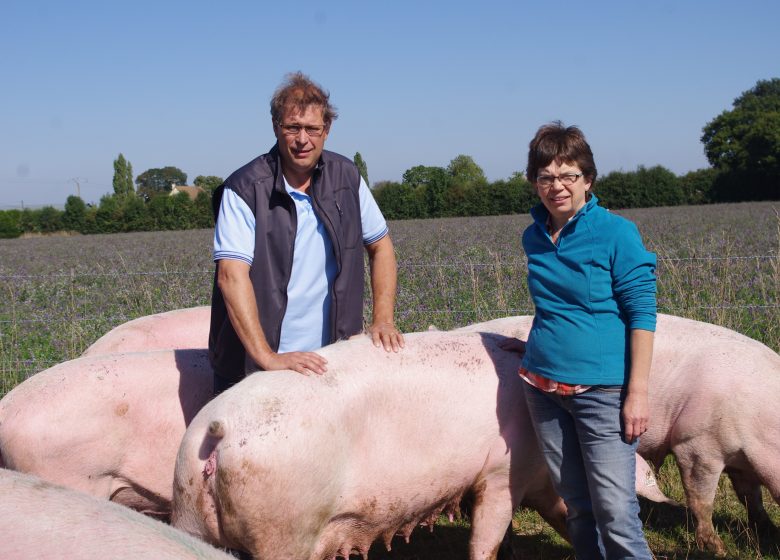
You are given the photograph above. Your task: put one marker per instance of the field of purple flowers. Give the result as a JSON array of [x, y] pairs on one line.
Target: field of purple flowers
[[718, 263]]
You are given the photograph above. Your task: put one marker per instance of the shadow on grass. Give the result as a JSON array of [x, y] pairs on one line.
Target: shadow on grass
[[452, 543], [677, 523]]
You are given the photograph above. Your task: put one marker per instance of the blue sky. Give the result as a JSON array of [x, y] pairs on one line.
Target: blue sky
[[187, 83]]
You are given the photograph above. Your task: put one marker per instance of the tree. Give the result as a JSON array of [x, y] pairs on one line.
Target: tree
[[400, 201], [643, 188], [9, 224], [208, 183], [49, 219], [464, 171], [28, 221], [617, 189], [362, 166], [744, 145], [513, 196], [158, 181], [697, 185], [123, 177], [748, 136], [108, 218], [75, 215], [170, 212], [202, 216], [423, 175], [658, 186], [134, 215], [434, 182]]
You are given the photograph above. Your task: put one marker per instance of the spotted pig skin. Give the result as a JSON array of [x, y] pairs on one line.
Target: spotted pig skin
[[287, 466]]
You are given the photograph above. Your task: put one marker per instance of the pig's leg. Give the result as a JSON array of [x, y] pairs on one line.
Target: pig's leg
[[552, 509], [491, 516], [700, 481], [195, 509], [647, 484], [748, 490], [141, 499]]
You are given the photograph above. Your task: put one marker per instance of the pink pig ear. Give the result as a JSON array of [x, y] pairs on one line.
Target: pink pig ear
[[358, 335]]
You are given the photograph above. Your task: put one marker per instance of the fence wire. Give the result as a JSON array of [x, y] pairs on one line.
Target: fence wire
[[417, 307], [401, 265]]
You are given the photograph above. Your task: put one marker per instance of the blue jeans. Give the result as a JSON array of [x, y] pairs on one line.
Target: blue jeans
[[592, 469]]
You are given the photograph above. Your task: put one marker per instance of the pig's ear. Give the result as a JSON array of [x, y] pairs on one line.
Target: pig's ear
[[358, 335]]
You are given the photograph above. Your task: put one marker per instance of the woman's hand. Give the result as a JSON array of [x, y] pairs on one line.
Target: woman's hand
[[636, 415], [636, 409]]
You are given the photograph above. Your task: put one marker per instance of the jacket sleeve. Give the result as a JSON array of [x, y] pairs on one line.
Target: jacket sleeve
[[633, 278]]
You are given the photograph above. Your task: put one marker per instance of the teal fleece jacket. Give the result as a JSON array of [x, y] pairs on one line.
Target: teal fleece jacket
[[589, 291]]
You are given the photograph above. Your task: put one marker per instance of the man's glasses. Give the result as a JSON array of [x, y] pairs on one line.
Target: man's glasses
[[295, 129], [566, 179]]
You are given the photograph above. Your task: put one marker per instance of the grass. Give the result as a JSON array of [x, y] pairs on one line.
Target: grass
[[719, 264]]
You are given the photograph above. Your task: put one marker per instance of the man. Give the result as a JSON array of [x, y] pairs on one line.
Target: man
[[290, 225]]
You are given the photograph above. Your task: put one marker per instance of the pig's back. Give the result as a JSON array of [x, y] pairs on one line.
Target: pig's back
[[694, 358], [180, 328], [367, 392], [704, 379]]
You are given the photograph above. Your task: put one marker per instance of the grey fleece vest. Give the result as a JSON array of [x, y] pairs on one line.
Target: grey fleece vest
[[334, 192]]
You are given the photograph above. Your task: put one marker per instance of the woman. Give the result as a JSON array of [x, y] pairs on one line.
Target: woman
[[588, 354]]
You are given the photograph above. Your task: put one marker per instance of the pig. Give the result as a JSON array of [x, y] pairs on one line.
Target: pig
[[189, 328], [287, 466], [713, 405], [178, 329], [518, 327], [122, 416], [108, 425], [42, 520]]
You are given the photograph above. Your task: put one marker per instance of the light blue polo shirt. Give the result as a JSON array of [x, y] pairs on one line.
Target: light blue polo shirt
[[306, 324]]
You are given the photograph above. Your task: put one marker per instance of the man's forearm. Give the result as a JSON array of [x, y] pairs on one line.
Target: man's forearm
[[241, 305], [384, 281]]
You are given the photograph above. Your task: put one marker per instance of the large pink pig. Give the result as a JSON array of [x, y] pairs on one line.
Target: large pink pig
[[44, 521], [108, 425], [181, 328], [189, 328], [518, 327], [298, 467], [713, 404]]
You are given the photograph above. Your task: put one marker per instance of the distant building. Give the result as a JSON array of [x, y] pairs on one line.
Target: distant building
[[190, 191]]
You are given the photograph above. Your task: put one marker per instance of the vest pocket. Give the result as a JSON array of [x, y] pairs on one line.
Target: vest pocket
[[347, 218]]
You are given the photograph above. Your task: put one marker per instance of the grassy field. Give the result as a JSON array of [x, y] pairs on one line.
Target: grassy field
[[718, 263]]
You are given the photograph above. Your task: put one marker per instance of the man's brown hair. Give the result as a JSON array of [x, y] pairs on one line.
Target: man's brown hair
[[298, 92]]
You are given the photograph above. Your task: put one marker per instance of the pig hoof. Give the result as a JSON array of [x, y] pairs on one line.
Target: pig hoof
[[712, 543]]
